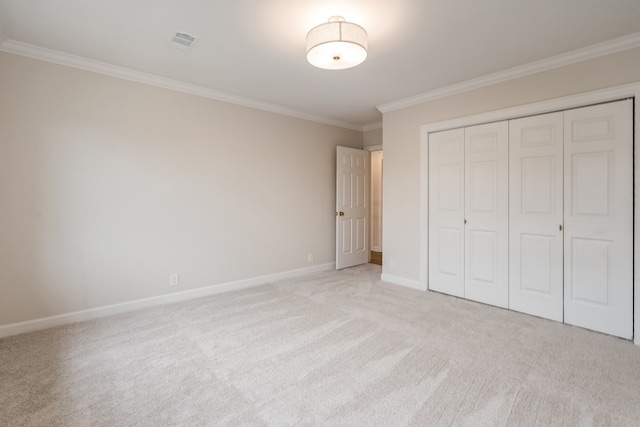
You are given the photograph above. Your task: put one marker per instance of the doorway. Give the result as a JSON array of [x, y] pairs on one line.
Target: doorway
[[376, 207]]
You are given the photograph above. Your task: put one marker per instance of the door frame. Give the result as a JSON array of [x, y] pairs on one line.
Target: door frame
[[548, 106]]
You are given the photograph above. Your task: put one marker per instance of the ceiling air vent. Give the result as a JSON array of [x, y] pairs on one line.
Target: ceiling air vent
[[183, 41]]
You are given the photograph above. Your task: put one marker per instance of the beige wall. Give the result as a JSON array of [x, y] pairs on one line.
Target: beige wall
[[372, 138], [401, 130], [108, 186]]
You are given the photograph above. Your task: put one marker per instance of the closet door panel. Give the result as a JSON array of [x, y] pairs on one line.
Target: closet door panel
[[535, 215], [486, 213], [446, 212], [598, 248]]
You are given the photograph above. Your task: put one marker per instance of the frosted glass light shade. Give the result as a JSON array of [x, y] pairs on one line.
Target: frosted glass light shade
[[336, 45]]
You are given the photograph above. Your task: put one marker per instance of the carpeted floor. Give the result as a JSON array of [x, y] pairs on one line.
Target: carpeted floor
[[335, 348]]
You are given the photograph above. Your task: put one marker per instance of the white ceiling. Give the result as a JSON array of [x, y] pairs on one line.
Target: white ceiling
[[256, 48]]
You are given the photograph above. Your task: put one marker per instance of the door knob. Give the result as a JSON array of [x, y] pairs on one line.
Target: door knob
[[340, 213]]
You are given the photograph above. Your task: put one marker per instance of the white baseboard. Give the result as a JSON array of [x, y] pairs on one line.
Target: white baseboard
[[413, 284], [109, 310]]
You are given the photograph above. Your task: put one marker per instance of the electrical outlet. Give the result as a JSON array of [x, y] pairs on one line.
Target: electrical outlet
[[392, 264], [310, 257], [174, 279]]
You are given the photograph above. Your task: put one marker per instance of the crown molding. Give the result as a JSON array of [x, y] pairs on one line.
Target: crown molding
[[61, 58], [372, 126], [609, 47]]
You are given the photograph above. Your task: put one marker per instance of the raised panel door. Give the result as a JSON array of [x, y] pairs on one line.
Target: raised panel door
[[535, 215], [352, 207], [486, 213], [446, 212], [598, 246]]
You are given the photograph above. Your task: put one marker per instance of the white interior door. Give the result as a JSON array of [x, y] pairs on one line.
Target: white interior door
[[535, 215], [446, 212], [598, 249], [352, 207], [487, 213]]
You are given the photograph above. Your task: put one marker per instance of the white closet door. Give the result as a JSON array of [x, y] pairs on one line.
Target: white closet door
[[446, 212], [486, 214], [598, 251], [535, 215]]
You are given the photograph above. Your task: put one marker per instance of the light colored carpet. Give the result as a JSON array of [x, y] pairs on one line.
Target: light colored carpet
[[335, 348]]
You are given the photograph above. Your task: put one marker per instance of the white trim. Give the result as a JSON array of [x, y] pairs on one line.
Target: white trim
[[109, 310], [413, 284], [609, 47], [636, 218], [61, 58], [564, 103], [372, 126], [373, 147], [423, 245]]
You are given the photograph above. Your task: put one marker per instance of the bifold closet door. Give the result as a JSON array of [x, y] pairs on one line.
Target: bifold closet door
[[487, 213], [598, 210], [536, 215], [446, 212]]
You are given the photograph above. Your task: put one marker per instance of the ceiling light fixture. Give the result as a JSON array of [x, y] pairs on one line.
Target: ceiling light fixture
[[336, 44]]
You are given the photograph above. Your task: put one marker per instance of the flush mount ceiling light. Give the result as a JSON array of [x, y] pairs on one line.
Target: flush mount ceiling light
[[336, 44]]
